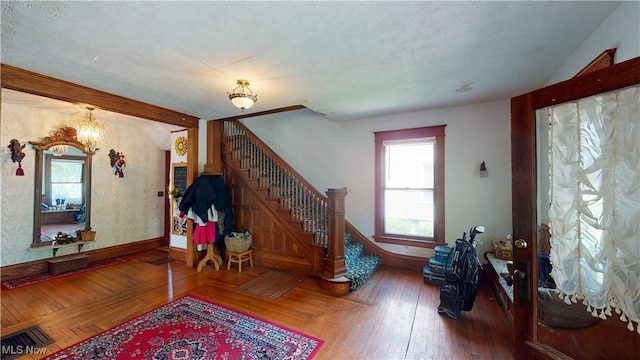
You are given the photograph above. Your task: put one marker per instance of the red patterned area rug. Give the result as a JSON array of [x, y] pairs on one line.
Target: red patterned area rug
[[193, 328], [12, 284]]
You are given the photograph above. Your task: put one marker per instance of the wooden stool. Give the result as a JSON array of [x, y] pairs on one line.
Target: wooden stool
[[239, 258]]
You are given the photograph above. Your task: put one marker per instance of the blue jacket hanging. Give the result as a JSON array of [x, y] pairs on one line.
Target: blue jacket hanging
[[205, 191]]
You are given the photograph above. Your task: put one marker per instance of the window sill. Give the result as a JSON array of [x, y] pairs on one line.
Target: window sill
[[422, 243]]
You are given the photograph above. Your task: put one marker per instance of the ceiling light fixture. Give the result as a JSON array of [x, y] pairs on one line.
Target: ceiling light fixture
[[90, 133], [242, 97], [59, 150]]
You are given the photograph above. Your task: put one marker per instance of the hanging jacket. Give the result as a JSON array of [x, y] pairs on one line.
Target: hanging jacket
[[207, 191]]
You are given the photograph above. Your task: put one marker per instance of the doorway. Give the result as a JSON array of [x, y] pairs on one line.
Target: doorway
[[534, 336]]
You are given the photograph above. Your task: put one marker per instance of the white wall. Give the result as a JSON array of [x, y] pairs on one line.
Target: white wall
[[123, 209], [335, 155], [621, 30]]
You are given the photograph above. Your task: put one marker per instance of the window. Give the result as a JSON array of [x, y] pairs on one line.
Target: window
[[410, 186], [64, 180]]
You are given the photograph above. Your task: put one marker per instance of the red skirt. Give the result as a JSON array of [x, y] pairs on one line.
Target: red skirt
[[204, 234]]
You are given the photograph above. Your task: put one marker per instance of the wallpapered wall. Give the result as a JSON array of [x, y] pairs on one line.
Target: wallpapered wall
[[124, 209]]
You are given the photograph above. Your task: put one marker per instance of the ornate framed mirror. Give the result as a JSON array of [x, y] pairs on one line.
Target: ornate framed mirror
[[62, 198]]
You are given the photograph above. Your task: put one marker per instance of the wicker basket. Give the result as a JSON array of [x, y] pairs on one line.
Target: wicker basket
[[503, 253], [237, 244], [82, 235]]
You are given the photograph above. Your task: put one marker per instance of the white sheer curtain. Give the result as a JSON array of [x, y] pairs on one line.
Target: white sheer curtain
[[595, 203]]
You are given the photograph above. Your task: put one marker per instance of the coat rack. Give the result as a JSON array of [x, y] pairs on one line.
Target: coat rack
[[205, 193]]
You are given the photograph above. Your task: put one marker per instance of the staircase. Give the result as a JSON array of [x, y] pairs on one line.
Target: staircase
[[360, 265], [294, 226]]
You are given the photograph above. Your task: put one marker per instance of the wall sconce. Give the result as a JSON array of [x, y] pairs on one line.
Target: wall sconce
[[242, 97], [483, 170], [90, 133]]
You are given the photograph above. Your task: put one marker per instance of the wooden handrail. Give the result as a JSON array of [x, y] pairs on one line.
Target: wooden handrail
[[319, 214], [273, 155]]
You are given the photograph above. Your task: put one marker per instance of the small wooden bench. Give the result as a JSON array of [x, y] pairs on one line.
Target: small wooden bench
[[501, 289], [67, 263]]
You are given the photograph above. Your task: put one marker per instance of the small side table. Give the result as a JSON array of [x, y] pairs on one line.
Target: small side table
[[239, 258]]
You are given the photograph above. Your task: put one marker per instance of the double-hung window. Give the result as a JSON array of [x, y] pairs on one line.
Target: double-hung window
[[410, 186], [64, 179]]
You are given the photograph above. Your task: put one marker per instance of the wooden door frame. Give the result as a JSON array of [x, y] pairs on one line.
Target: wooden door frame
[[37, 84], [524, 184]]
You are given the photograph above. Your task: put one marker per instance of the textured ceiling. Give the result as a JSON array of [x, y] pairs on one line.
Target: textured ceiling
[[347, 60]]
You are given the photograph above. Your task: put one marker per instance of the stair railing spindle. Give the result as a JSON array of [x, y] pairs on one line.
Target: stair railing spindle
[[305, 204]]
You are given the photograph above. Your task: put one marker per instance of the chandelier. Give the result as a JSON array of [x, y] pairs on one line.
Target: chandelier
[[59, 150], [242, 97], [90, 133]]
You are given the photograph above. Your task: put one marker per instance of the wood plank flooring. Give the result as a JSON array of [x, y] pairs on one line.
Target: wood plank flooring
[[393, 316]]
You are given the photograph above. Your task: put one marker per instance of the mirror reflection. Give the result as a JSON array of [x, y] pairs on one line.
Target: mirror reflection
[[63, 208], [62, 203]]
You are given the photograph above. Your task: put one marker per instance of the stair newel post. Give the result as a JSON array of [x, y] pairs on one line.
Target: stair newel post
[[334, 265]]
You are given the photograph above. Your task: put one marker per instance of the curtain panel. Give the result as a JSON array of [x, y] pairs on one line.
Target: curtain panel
[[594, 197]]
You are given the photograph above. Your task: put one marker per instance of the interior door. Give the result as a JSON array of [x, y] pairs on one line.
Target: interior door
[[534, 335]]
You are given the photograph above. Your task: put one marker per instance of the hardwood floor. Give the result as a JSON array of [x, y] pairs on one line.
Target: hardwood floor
[[393, 316]]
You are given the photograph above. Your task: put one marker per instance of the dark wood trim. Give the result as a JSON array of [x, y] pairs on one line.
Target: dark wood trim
[[168, 217], [401, 134], [214, 144], [606, 59], [334, 265], [438, 132], [597, 82], [523, 190], [178, 254], [547, 352], [406, 241], [17, 271], [33, 83], [440, 183], [192, 254], [262, 113]]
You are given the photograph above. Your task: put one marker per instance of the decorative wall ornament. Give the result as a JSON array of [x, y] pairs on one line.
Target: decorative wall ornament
[[181, 145], [117, 162], [174, 192], [17, 154]]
